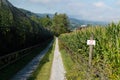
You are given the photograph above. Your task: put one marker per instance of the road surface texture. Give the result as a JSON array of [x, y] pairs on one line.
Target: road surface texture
[[58, 71], [25, 73]]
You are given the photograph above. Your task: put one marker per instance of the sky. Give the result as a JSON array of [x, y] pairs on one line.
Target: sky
[[94, 10]]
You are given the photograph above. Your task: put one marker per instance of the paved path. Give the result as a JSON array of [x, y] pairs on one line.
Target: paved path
[[57, 72], [28, 69]]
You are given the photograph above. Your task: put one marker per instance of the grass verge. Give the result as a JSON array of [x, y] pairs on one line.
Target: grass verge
[[67, 61], [8, 72], [44, 69]]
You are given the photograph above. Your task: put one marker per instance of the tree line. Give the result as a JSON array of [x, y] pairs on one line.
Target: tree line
[[18, 31], [16, 34], [57, 24]]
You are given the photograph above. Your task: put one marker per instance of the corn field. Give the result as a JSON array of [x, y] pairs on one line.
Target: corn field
[[106, 53]]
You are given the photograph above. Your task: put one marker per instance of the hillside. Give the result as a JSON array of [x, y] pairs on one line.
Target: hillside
[[74, 23], [17, 30], [11, 16], [77, 23], [38, 15]]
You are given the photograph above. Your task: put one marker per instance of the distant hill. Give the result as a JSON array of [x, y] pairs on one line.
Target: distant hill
[[77, 23], [44, 15], [74, 23], [38, 15], [28, 13]]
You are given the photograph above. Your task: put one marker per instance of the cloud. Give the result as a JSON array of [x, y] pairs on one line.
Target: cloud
[[118, 3], [45, 1], [103, 8], [99, 4], [100, 10], [74, 7]]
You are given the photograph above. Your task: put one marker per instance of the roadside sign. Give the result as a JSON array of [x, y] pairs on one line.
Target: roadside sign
[[90, 42]]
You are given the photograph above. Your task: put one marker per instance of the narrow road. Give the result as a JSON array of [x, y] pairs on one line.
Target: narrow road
[[28, 69], [58, 71]]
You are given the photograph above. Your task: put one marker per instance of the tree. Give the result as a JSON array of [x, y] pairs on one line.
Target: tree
[[46, 22], [60, 24]]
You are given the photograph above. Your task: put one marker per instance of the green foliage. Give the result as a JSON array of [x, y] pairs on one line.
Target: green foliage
[[46, 22], [60, 24], [5, 16], [18, 31], [106, 54], [34, 18]]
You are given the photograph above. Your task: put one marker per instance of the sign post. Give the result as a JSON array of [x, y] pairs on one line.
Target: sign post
[[90, 42]]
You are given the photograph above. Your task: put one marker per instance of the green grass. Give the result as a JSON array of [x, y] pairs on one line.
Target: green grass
[[44, 69], [67, 61], [8, 72]]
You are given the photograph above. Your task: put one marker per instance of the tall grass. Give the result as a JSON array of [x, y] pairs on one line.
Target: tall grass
[[106, 53]]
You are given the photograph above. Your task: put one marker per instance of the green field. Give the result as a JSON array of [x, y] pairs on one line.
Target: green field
[[106, 52]]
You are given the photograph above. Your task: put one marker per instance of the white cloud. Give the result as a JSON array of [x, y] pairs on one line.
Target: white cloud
[[99, 4], [118, 3], [45, 1], [41, 1], [100, 10], [102, 5], [76, 5]]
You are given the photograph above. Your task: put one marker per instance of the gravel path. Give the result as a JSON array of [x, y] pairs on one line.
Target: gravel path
[[58, 71], [28, 69]]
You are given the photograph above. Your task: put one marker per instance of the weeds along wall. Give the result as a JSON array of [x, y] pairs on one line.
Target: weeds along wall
[[106, 53]]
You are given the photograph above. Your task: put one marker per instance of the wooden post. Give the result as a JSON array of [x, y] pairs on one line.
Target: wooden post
[[90, 52]]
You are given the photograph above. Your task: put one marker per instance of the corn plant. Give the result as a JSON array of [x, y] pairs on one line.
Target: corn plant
[[106, 53]]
